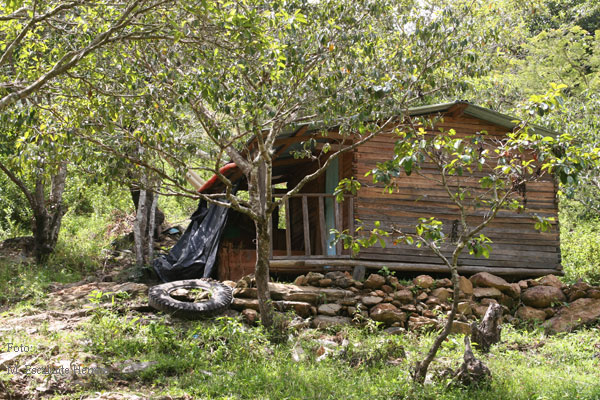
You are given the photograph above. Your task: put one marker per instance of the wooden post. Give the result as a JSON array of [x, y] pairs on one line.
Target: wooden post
[[306, 227], [322, 227], [288, 233], [350, 219], [338, 225], [358, 273]]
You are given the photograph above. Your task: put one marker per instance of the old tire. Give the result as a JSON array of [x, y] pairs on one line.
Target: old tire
[[159, 297]]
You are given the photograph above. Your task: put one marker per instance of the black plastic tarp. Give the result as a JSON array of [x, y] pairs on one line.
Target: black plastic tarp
[[195, 254]]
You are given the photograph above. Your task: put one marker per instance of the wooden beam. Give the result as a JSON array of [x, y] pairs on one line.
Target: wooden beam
[[305, 225], [408, 267], [350, 218], [338, 225], [322, 226], [288, 226], [287, 142]]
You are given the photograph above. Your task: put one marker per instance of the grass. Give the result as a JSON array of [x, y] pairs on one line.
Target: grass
[[224, 359]]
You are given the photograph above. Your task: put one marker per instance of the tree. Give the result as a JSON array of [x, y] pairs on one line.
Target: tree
[[44, 41]]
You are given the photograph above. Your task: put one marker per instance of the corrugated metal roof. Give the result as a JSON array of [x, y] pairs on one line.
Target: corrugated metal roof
[[485, 114]]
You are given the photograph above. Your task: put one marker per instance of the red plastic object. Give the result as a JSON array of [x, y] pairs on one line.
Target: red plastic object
[[208, 184]]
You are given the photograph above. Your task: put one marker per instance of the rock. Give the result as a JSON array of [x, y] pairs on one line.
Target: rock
[[403, 296], [325, 321], [492, 292], [485, 279], [392, 281], [313, 277], [542, 296], [394, 330], [488, 301], [479, 310], [132, 288], [433, 301], [301, 281], [348, 301], [329, 309], [250, 316], [523, 284], [242, 304], [343, 282], [242, 284], [445, 282], [351, 310], [507, 301], [416, 322], [513, 291], [428, 313], [134, 368], [244, 293], [301, 308], [231, 284], [465, 286], [388, 299], [551, 280], [526, 313], [549, 312], [308, 294], [371, 300], [580, 285], [460, 328], [422, 296], [325, 282], [387, 289], [246, 281], [334, 275], [580, 312], [379, 293], [576, 294], [6, 359], [424, 281], [593, 293], [442, 293], [374, 281], [387, 313], [464, 308]]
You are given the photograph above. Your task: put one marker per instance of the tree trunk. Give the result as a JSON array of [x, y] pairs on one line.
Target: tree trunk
[[258, 190], [488, 331], [47, 215], [421, 368], [151, 226], [159, 216], [139, 230], [472, 371], [261, 273]]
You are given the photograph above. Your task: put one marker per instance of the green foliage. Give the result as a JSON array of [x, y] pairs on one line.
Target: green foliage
[[580, 243]]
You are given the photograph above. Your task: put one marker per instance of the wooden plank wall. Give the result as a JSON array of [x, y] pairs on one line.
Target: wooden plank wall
[[515, 241]]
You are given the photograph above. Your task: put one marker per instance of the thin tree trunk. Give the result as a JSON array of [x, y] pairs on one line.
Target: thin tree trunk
[[139, 230], [47, 215], [150, 230], [261, 273], [422, 367], [257, 190]]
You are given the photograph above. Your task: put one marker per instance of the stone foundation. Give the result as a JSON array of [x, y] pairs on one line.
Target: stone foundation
[[336, 298]]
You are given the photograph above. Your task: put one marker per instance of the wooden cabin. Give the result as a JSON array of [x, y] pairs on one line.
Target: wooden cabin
[[301, 239]]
